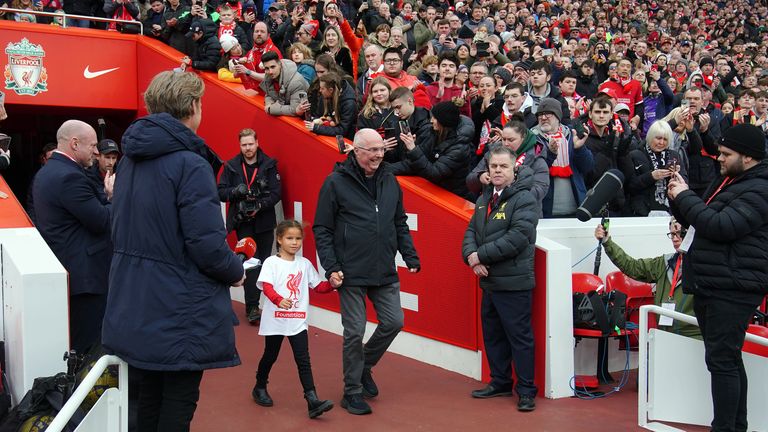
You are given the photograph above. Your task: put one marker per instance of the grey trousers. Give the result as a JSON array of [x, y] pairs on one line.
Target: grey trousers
[[356, 357]]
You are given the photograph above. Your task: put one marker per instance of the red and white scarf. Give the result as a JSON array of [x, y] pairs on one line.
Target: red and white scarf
[[561, 167]]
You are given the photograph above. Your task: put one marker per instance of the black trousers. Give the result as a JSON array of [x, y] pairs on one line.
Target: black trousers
[[723, 326], [167, 399], [264, 242], [300, 346], [508, 339], [86, 313]]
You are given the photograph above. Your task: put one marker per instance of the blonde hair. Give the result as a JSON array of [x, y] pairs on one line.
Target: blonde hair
[[370, 106], [173, 93], [339, 37], [300, 47]]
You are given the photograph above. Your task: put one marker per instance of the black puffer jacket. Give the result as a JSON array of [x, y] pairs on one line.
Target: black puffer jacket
[[504, 241], [641, 187], [358, 232], [208, 51], [420, 124], [444, 163], [728, 255], [348, 114]]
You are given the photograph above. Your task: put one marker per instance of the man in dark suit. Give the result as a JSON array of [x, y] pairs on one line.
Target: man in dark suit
[[76, 226]]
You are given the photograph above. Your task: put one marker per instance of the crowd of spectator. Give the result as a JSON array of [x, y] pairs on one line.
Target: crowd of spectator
[[640, 86]]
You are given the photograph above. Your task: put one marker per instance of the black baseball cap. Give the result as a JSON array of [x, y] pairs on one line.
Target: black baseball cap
[[107, 146]]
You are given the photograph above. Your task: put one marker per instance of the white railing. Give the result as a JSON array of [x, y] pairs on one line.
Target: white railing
[[66, 15], [110, 413], [693, 377]]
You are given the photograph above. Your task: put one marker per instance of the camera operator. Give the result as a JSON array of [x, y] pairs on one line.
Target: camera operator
[[251, 184]]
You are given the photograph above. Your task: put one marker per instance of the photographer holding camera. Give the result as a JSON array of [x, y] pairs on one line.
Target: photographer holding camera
[[251, 184]]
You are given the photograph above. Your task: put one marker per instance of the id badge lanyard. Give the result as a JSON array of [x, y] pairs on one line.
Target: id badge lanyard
[[253, 177], [675, 277]]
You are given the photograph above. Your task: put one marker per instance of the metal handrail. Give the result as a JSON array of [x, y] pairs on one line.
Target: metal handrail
[[66, 15], [77, 398], [642, 414]]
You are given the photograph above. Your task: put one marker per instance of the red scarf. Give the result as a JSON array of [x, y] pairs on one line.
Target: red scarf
[[561, 167], [738, 116], [121, 13], [227, 29]]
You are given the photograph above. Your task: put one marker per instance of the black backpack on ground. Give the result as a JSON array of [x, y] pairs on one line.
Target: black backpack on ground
[[605, 312]]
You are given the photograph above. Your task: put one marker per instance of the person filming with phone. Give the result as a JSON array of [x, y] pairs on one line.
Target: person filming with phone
[[284, 88], [653, 166]]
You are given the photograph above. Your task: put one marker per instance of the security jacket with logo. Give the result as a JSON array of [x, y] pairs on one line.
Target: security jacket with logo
[[504, 238]]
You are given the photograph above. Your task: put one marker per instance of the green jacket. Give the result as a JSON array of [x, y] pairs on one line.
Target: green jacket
[[656, 271]]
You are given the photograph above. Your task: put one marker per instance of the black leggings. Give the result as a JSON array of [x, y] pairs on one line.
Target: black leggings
[[300, 346]]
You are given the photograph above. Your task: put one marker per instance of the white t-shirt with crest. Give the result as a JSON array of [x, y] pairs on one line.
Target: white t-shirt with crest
[[291, 280]]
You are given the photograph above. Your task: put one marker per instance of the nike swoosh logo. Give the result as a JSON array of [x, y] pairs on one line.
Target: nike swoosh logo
[[638, 167], [90, 75]]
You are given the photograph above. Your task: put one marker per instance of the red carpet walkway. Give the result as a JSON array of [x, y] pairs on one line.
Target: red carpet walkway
[[414, 397]]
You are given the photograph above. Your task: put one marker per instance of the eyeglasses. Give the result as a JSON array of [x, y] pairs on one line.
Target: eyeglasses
[[544, 114], [373, 150], [678, 234], [392, 61]]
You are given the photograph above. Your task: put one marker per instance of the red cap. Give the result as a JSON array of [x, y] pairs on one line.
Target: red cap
[[610, 92]]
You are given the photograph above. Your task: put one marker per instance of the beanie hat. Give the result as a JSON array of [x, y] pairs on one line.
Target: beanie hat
[[746, 139], [706, 61], [310, 28], [524, 65], [465, 33], [552, 106], [447, 114], [227, 42], [504, 74]]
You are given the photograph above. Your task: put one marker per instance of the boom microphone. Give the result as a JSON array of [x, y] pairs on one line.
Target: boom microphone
[[245, 248], [598, 197]]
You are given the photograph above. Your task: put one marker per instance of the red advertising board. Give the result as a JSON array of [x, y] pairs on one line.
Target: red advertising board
[[82, 68]]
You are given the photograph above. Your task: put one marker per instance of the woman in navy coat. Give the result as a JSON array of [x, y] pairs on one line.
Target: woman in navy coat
[[169, 313]]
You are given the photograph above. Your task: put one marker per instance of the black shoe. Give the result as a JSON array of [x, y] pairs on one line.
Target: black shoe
[[490, 391], [355, 404], [370, 390], [315, 405], [261, 397], [526, 403], [254, 316]]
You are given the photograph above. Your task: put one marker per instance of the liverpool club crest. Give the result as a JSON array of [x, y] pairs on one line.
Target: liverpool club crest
[[24, 72]]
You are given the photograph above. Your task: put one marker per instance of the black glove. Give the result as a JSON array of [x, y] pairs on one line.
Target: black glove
[[238, 192]]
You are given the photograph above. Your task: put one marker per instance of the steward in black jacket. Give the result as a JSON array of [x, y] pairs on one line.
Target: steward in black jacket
[[359, 231], [504, 241], [267, 174]]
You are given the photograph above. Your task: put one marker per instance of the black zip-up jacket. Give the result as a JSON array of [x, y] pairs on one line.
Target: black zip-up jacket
[[444, 163], [348, 114], [728, 258], [233, 176], [505, 239], [358, 232]]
